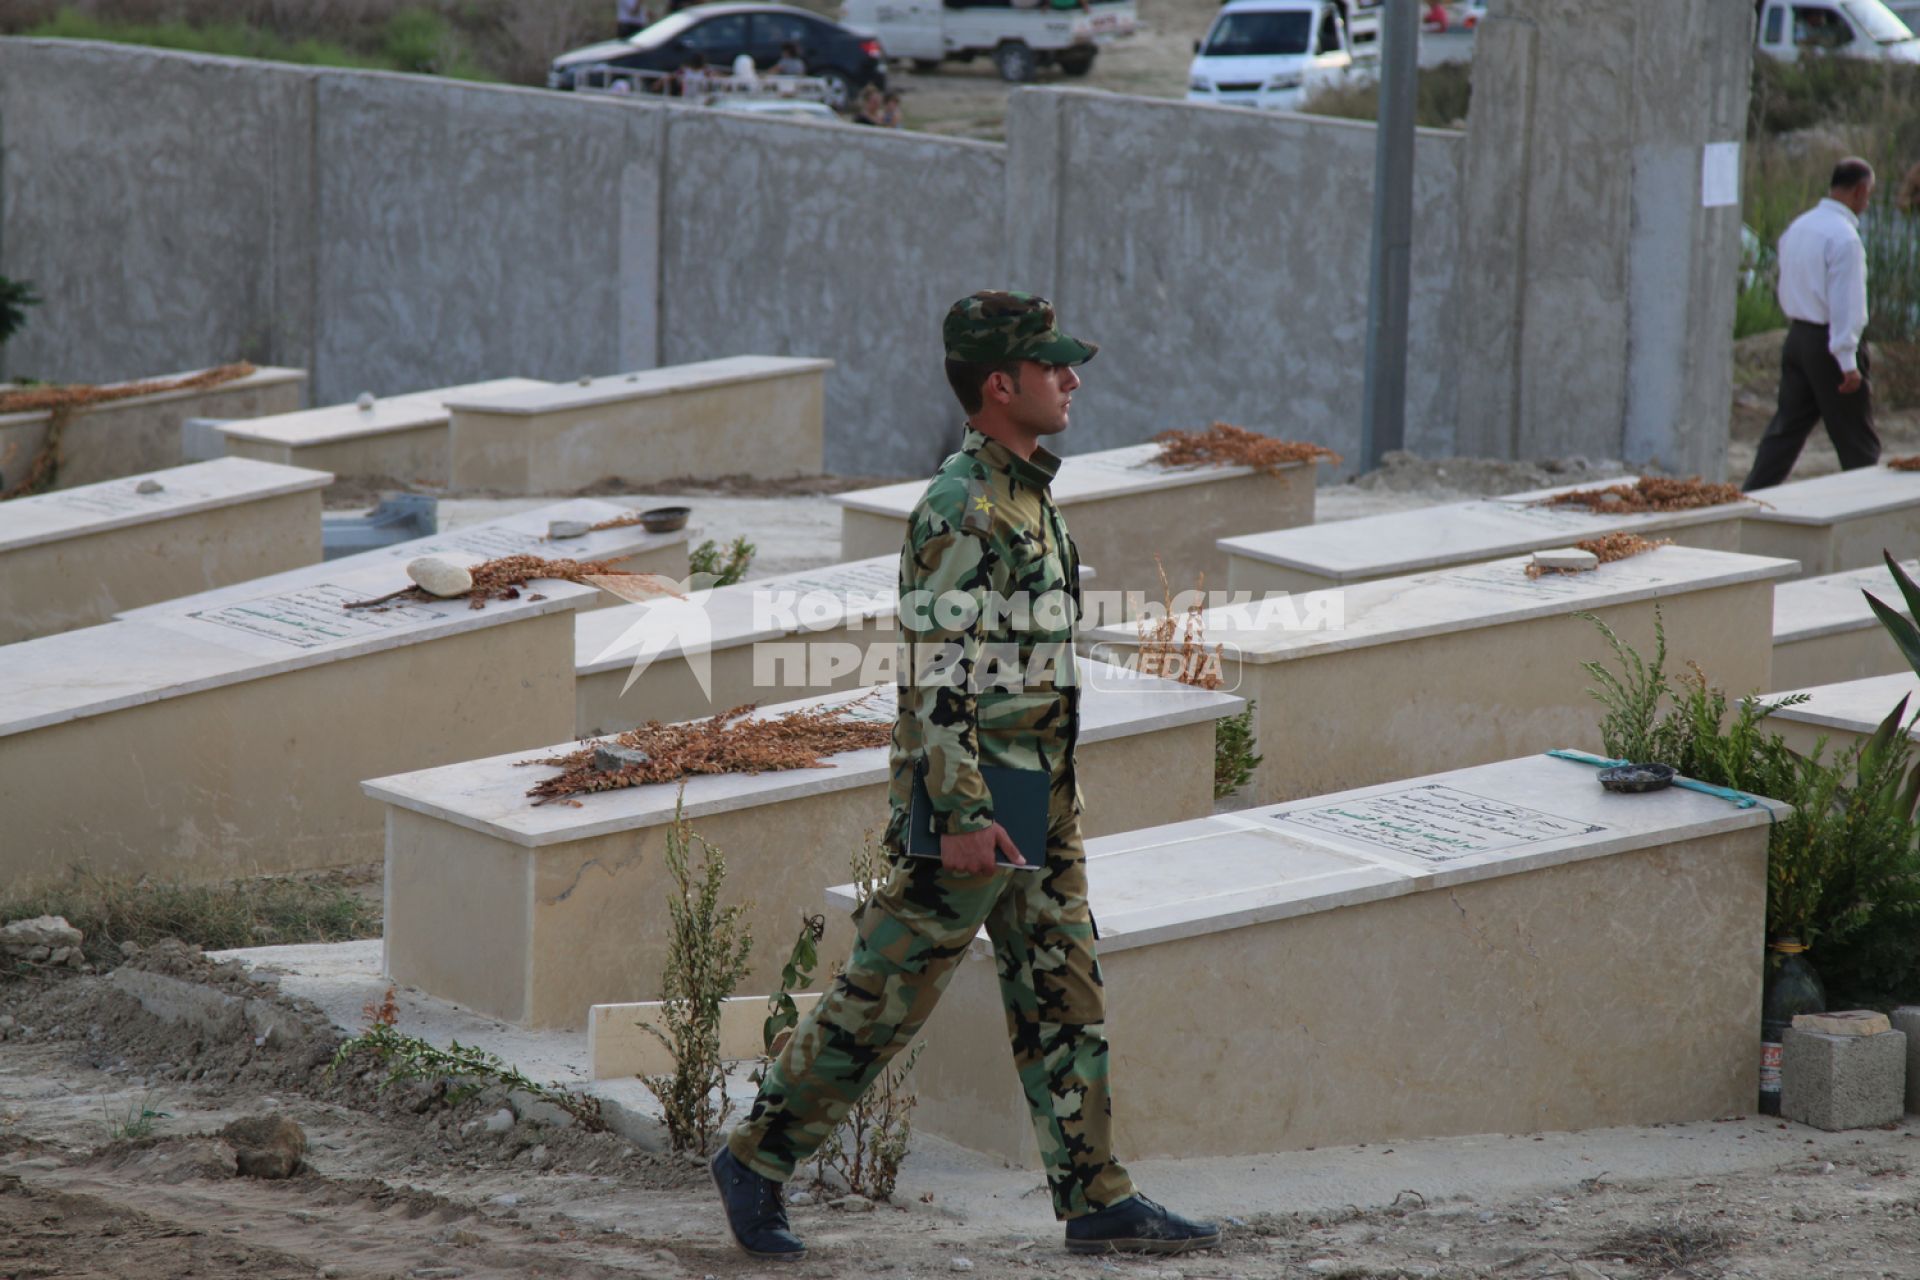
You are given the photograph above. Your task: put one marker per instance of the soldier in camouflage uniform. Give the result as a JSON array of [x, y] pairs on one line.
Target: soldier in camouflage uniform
[[989, 594]]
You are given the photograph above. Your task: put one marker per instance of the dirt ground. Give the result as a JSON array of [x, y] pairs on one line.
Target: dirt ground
[[397, 1183]]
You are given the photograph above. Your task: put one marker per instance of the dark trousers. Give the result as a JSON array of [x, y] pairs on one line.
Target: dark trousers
[[1810, 393]]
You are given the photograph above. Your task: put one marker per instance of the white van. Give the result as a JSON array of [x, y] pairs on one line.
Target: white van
[[1274, 54], [1843, 28]]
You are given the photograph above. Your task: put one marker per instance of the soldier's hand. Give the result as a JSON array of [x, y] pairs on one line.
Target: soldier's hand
[[1850, 382], [972, 853]]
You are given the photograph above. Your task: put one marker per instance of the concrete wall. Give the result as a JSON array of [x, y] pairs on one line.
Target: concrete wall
[[1220, 256], [1590, 270], [160, 204], [393, 232]]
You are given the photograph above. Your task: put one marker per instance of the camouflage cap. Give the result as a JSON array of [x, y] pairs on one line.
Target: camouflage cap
[[994, 326]]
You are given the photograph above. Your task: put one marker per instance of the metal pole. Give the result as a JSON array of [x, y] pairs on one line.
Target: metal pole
[[1384, 426]]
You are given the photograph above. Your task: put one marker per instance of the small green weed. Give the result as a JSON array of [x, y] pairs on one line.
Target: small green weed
[[707, 951], [466, 1069], [708, 566], [136, 1120], [1234, 758]]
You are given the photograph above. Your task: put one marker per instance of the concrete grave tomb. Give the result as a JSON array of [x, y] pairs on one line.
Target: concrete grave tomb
[[1825, 632], [229, 740], [534, 913], [1844, 713], [116, 438], [630, 548], [1400, 961], [1395, 678], [758, 416], [772, 639], [1349, 551], [399, 438], [1122, 509], [1837, 522], [74, 557]]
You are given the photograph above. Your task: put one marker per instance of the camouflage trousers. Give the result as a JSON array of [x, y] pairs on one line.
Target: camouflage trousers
[[912, 933]]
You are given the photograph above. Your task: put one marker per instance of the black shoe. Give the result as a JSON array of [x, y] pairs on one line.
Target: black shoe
[[1138, 1225], [756, 1213]]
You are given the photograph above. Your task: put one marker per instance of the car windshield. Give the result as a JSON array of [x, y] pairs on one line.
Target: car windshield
[[1247, 34], [1878, 22], [664, 30]]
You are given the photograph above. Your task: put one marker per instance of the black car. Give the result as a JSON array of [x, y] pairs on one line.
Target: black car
[[847, 60]]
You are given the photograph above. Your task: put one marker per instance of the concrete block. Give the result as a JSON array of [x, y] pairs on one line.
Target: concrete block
[[1843, 1082], [1906, 1020]]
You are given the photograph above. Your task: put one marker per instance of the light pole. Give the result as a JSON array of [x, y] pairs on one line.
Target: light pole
[[1384, 426]]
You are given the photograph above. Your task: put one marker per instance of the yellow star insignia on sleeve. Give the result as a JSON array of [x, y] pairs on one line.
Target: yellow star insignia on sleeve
[[982, 503]]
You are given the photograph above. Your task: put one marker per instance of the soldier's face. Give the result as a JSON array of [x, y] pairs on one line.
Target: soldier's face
[[1042, 396]]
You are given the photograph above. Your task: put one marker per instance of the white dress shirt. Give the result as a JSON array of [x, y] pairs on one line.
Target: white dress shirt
[[1823, 276]]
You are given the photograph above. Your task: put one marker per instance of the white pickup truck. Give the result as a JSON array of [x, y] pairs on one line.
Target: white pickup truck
[[1019, 37], [1276, 54], [1843, 28]]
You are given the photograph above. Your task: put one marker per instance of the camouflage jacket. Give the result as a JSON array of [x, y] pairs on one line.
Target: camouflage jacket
[[989, 598]]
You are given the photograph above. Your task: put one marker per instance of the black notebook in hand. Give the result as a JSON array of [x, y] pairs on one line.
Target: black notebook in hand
[[1020, 804]]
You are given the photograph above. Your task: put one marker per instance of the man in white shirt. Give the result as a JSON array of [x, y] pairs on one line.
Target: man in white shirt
[[1824, 365]]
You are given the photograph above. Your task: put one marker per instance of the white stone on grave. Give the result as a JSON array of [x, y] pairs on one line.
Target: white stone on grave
[[631, 548], [1501, 949], [141, 433], [759, 416], [1405, 676], [1837, 522], [1122, 509], [231, 740], [1384, 546], [1824, 631], [534, 913], [1845, 713], [399, 438], [73, 557], [769, 640]]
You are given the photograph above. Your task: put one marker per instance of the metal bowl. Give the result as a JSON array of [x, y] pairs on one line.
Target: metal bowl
[[665, 519], [1637, 777]]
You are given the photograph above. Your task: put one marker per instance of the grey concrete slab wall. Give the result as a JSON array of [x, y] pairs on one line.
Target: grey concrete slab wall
[[1220, 256], [791, 238], [161, 206], [476, 231], [392, 232], [1590, 270]]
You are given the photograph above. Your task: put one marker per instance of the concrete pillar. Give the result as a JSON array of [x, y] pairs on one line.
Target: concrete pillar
[[1597, 290]]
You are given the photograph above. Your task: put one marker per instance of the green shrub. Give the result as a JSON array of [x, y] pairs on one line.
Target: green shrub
[[15, 297], [1843, 868], [707, 950]]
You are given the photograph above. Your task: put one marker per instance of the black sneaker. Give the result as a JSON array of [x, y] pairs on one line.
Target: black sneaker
[[756, 1213], [1138, 1225]]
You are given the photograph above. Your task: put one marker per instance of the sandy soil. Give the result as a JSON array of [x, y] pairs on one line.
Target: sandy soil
[[398, 1183]]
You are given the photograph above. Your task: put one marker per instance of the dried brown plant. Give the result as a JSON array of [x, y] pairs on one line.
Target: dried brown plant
[[501, 579], [1608, 547], [1649, 493], [1173, 645], [62, 402], [1911, 462], [1225, 445], [724, 743]]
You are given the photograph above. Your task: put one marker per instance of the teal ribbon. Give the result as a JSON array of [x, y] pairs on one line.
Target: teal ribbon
[[1739, 798]]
